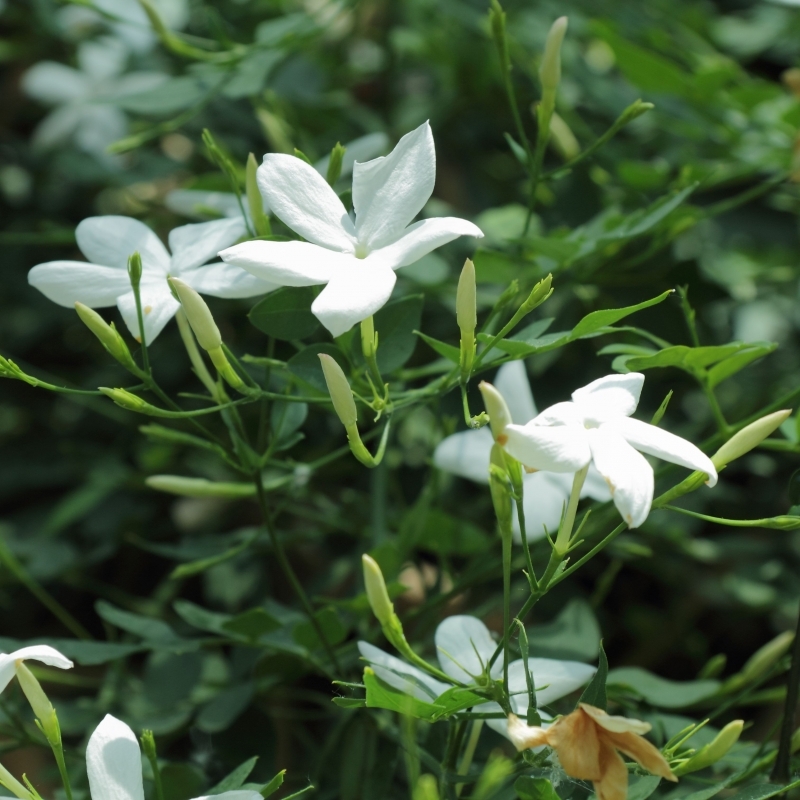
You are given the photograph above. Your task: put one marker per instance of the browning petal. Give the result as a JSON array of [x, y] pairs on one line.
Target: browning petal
[[524, 736], [642, 751], [613, 784], [575, 739], [615, 724]]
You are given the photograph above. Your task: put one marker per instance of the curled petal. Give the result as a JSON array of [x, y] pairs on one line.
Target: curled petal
[[389, 192], [575, 739], [36, 652], [352, 295], [610, 396], [561, 448], [613, 784], [660, 443], [615, 724], [641, 751], [114, 762], [301, 198], [465, 646], [627, 473]]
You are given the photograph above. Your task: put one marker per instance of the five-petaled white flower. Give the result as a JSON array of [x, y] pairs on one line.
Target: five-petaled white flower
[[595, 427], [85, 99], [109, 241], [36, 652], [114, 765], [356, 259], [465, 646], [467, 454]]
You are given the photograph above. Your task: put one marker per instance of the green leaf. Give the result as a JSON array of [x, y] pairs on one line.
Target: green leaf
[[144, 627], [234, 780], [286, 313], [492, 266], [659, 691], [381, 695], [252, 624], [220, 713], [286, 418], [642, 786], [252, 72], [593, 322], [529, 788], [182, 781], [595, 693], [697, 359], [169, 97], [447, 350], [395, 324], [201, 618], [446, 535], [333, 628], [273, 785], [202, 564], [643, 220], [350, 702], [730, 366], [573, 634], [305, 364], [457, 698]]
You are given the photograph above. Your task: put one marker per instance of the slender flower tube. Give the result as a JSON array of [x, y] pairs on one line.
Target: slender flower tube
[[467, 317], [596, 427], [550, 69], [587, 742], [40, 703]]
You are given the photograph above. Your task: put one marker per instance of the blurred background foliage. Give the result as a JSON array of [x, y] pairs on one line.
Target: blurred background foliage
[[76, 513]]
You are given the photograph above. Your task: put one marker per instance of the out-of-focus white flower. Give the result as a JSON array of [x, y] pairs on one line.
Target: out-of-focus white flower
[[125, 18], [83, 98], [465, 646], [109, 241], [466, 454], [355, 259], [198, 204], [596, 427]]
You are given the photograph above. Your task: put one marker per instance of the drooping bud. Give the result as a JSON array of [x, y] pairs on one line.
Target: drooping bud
[[41, 705], [206, 330], [254, 202], [378, 597], [714, 750], [467, 317], [499, 415], [747, 438], [550, 68], [340, 391], [108, 335], [335, 164], [13, 785]]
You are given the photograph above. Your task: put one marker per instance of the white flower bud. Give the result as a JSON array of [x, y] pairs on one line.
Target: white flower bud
[[41, 705], [747, 438], [198, 314], [376, 590], [340, 391], [550, 69], [466, 304]]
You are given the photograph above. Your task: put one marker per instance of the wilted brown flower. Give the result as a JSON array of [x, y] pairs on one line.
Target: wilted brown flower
[[587, 741]]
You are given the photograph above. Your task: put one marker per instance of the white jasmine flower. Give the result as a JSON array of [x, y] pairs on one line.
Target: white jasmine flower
[[596, 427], [465, 646], [84, 98], [197, 204], [354, 259], [108, 242], [467, 453], [114, 765], [37, 652]]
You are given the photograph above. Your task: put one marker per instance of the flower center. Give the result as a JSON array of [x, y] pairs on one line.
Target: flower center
[[362, 251]]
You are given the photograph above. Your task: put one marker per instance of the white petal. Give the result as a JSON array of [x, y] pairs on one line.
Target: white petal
[[627, 473], [397, 673], [464, 647], [301, 198], [554, 679], [420, 238], [225, 280], [595, 486], [566, 413], [610, 396], [54, 83], [68, 282], [132, 83], [194, 245], [287, 263], [544, 497], [352, 295], [102, 58], [362, 149], [193, 202], [112, 240], [389, 192], [37, 652], [58, 126], [660, 443], [466, 454], [236, 794], [559, 448], [512, 382], [100, 126], [114, 762], [158, 308]]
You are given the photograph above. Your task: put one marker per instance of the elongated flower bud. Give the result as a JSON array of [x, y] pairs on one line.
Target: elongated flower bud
[[198, 314], [335, 163], [747, 438], [107, 334], [126, 399], [499, 415], [376, 590], [467, 317], [550, 69], [714, 750], [340, 391], [199, 487], [13, 785], [500, 487], [766, 656], [135, 269], [254, 202], [41, 705]]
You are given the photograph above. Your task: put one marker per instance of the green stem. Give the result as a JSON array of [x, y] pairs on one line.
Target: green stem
[[140, 319], [277, 548], [591, 554], [58, 752], [506, 605], [544, 113], [469, 752], [519, 488], [9, 560], [455, 736], [780, 772]]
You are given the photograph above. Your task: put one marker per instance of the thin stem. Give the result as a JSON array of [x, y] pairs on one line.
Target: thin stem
[[140, 319], [290, 573], [543, 117], [9, 560], [506, 605], [455, 736], [193, 351], [780, 772], [591, 554], [378, 485], [58, 752], [526, 548], [469, 752]]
